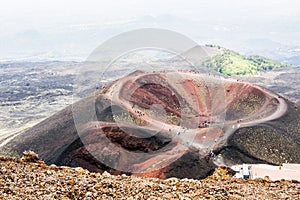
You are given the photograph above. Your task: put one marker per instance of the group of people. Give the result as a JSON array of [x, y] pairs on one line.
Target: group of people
[[204, 124]]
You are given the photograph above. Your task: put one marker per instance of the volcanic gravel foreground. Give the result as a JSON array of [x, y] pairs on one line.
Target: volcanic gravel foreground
[[159, 125], [28, 180]]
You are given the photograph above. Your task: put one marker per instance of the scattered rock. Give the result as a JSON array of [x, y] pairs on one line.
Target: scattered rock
[[222, 173], [30, 156], [28, 180]]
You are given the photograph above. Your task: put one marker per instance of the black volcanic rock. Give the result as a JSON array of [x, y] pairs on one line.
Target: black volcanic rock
[[274, 142]]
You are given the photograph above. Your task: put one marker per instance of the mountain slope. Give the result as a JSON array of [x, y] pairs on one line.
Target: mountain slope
[[231, 63]]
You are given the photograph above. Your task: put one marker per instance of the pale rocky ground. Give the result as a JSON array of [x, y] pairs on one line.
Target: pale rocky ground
[[30, 92], [29, 180]]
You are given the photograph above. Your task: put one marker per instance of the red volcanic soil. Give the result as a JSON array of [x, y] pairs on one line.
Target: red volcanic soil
[[166, 124]]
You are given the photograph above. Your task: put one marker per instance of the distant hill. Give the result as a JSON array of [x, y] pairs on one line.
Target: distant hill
[[232, 63], [294, 60]]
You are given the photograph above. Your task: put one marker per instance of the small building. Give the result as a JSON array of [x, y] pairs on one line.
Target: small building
[[242, 171]]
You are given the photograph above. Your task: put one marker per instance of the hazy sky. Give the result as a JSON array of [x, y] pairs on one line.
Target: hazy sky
[[216, 20], [36, 13]]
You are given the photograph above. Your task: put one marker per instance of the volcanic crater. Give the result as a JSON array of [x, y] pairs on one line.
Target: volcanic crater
[[168, 124]]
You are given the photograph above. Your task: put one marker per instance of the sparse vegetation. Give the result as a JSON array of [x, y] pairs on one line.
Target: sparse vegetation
[[249, 104], [173, 119], [128, 118]]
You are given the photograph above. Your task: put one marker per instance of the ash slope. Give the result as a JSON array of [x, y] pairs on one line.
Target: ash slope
[[240, 121]]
